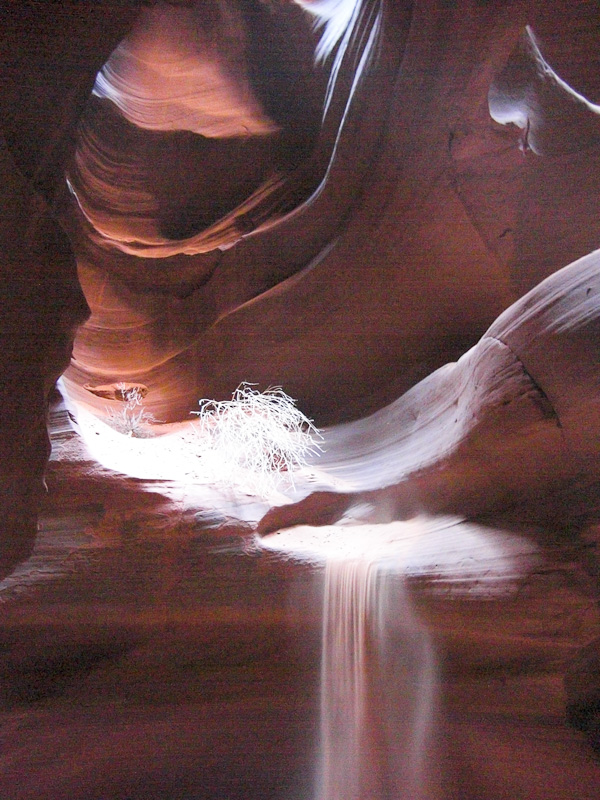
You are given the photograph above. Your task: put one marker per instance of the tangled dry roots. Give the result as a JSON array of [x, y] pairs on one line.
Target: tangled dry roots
[[258, 439]]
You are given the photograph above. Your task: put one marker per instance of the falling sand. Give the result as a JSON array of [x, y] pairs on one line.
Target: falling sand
[[378, 672]]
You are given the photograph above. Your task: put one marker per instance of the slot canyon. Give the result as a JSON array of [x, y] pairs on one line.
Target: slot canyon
[[378, 221]]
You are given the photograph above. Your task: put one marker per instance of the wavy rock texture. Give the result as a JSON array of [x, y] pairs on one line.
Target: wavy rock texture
[[338, 196], [514, 421], [314, 209]]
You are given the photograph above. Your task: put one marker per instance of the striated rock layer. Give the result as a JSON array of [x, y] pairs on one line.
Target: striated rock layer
[[338, 196], [422, 168], [508, 426]]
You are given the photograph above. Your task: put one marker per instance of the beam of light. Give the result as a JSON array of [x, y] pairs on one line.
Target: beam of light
[[378, 688], [182, 465], [449, 551], [378, 669]]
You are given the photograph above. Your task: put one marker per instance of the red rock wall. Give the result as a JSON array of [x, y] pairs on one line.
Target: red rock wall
[[376, 247]]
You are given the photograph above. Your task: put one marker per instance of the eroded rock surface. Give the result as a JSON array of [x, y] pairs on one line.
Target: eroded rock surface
[[363, 224], [343, 210]]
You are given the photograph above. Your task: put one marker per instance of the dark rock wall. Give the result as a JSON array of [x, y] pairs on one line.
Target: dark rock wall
[[49, 55]]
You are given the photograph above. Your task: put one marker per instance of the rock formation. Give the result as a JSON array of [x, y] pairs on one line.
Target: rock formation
[[358, 200]]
